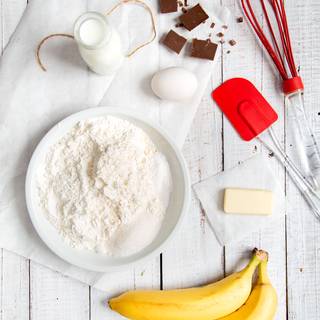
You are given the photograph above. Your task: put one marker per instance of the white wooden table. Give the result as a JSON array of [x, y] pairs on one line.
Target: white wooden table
[[30, 291]]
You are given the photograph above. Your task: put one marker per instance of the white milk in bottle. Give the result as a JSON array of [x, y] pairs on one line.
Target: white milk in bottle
[[99, 43]]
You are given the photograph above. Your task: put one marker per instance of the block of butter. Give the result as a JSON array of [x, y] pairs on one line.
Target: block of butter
[[248, 201]]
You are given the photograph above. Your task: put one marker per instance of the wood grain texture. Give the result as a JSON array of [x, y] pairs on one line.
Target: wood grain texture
[[303, 230], [195, 257], [247, 60], [14, 287], [30, 291], [14, 270], [146, 276], [54, 296]]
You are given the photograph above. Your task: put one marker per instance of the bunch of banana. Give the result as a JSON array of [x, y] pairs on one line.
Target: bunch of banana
[[228, 296], [262, 302]]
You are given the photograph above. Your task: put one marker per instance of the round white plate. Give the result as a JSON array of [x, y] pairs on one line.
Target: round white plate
[[178, 204]]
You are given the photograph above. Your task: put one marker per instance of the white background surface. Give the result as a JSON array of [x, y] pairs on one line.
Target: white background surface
[[29, 291]]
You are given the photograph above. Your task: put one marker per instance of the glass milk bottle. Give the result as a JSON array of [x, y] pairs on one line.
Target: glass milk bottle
[[99, 43]]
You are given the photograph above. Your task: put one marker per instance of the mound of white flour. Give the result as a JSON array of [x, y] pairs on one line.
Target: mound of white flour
[[105, 187]]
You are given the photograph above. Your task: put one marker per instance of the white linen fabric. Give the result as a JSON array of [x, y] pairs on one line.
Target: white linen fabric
[[32, 101], [230, 228]]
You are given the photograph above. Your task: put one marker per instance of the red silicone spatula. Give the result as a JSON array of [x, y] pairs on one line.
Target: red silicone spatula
[[252, 116], [245, 107]]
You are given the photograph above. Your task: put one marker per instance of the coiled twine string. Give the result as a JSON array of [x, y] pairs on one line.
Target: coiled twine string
[[128, 55]]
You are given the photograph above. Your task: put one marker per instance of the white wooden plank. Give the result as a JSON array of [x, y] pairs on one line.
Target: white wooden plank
[[14, 291], [48, 288], [273, 238], [303, 229], [1, 282], [1, 250], [246, 60], [54, 296], [195, 257], [142, 277], [148, 275], [118, 283], [15, 287]]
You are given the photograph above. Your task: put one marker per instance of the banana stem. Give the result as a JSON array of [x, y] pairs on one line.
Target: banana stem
[[258, 257], [263, 277], [261, 254]]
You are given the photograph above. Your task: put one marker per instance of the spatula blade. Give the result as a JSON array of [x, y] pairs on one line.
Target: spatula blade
[[245, 107]]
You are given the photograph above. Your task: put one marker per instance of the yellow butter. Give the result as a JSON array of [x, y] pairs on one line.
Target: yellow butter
[[248, 201]]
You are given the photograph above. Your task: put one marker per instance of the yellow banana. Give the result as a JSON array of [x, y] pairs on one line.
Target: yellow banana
[[262, 302], [204, 303]]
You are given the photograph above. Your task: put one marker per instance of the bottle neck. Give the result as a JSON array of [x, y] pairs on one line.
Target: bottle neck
[[92, 30]]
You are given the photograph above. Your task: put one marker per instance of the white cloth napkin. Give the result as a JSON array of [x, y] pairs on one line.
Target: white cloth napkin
[[32, 101], [134, 91], [254, 173]]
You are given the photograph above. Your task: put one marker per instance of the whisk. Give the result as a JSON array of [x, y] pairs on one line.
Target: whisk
[[278, 45]]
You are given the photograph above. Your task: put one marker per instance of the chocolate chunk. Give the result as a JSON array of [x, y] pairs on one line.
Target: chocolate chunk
[[184, 10], [212, 25], [193, 17], [167, 6], [240, 20], [179, 25], [204, 49], [220, 34], [186, 3], [174, 41], [232, 42]]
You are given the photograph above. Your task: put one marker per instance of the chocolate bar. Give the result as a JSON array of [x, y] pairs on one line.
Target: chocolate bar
[[204, 49], [193, 17], [167, 6], [174, 41]]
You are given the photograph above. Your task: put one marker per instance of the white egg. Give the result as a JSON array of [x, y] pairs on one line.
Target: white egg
[[174, 84]]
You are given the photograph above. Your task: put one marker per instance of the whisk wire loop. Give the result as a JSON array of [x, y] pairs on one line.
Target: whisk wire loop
[[279, 48]]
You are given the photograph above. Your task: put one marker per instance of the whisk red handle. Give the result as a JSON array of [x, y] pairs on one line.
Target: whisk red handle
[[292, 85]]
